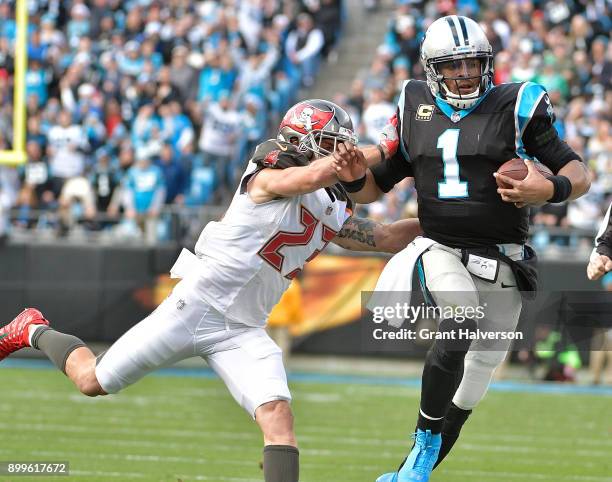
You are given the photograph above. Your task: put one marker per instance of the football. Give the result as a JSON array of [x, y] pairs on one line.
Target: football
[[517, 169]]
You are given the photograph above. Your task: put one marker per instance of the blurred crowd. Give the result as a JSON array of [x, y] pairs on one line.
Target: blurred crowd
[[138, 104], [563, 45]]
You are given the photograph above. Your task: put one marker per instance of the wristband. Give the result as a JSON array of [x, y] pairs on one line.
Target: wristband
[[604, 250], [354, 186], [382, 152], [562, 189]]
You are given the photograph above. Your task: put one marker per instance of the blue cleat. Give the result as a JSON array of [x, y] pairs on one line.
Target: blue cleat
[[419, 464]]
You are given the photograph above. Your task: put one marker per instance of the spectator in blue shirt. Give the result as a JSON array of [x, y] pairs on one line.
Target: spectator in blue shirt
[[78, 26], [36, 50], [201, 183], [174, 174], [131, 62], [218, 76], [8, 27], [144, 190], [37, 81], [144, 126]]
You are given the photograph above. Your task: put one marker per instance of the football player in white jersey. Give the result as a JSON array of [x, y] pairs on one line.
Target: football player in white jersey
[[288, 207]]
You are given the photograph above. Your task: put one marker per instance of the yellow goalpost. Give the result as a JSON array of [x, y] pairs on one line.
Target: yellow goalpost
[[18, 155]]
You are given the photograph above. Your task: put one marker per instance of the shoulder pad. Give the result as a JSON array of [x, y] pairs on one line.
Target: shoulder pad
[[502, 97], [413, 94], [532, 103], [278, 155]]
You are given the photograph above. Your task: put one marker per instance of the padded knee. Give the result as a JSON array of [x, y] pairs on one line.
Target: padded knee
[[479, 368]]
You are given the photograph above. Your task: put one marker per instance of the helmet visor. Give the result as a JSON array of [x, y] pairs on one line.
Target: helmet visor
[[461, 76], [323, 142]]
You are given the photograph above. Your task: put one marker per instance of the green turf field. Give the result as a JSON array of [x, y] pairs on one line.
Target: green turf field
[[171, 428]]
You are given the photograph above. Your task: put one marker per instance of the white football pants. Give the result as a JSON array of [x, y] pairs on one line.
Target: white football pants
[[183, 326], [451, 284]]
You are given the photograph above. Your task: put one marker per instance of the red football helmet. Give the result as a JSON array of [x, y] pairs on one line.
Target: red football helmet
[[310, 124]]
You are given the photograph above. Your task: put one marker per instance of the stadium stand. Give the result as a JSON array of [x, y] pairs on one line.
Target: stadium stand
[[149, 103], [142, 108]]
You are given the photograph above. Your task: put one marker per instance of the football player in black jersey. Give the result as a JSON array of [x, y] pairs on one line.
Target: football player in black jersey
[[451, 134]]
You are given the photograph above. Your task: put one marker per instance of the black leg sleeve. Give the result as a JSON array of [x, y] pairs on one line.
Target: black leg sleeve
[[443, 367]]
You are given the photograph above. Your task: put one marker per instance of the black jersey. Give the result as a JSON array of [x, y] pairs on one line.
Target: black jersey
[[452, 156]]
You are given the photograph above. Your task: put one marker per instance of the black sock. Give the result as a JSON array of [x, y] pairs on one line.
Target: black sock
[[281, 463], [57, 346], [453, 422], [443, 367]]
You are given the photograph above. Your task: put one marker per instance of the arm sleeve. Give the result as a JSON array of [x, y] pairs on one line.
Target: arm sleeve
[[542, 141], [391, 171], [603, 240]]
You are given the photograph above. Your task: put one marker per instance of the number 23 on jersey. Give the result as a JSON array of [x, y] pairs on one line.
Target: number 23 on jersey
[[270, 251]]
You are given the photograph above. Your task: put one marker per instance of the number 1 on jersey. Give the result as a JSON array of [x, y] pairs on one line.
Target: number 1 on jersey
[[451, 186]]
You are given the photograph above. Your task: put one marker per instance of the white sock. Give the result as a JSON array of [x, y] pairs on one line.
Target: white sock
[[31, 330]]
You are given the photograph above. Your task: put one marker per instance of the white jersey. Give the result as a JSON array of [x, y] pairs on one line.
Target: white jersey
[[251, 255], [67, 161], [221, 131], [375, 118]]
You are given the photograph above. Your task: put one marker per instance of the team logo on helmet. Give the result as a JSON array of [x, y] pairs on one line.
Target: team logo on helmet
[[305, 118]]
